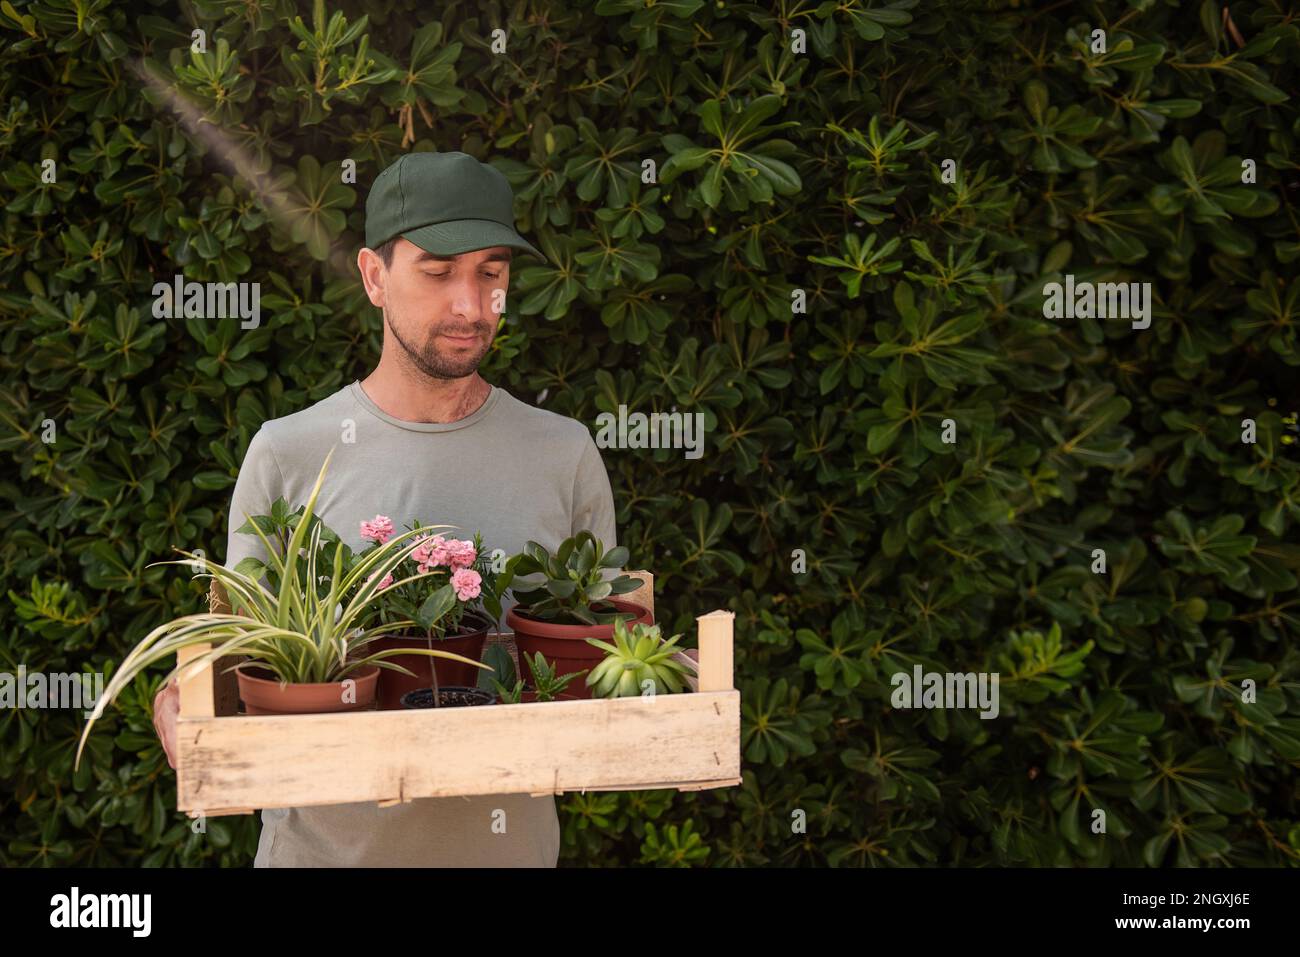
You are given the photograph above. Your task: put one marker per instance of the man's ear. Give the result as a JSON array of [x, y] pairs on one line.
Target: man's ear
[[373, 275]]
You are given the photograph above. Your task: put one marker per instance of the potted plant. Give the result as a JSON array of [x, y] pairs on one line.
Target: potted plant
[[639, 658], [299, 631], [547, 685], [573, 602], [452, 604]]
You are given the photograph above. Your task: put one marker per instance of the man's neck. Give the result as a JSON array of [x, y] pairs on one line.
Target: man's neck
[[421, 399]]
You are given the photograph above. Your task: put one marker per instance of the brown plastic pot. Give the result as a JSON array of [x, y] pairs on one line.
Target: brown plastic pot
[[469, 644], [262, 692], [565, 646], [459, 697]]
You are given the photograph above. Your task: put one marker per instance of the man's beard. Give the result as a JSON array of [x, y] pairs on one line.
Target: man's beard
[[435, 363]]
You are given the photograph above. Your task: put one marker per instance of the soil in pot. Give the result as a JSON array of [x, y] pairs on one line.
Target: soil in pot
[[262, 693], [454, 697], [468, 643], [564, 646]]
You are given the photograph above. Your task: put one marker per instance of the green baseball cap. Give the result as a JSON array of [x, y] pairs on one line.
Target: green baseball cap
[[445, 203]]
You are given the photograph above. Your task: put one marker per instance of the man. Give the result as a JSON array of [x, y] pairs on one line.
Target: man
[[425, 437]]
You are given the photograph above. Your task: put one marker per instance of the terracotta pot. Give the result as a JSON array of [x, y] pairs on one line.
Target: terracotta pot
[[564, 646], [451, 697], [262, 692], [469, 644]]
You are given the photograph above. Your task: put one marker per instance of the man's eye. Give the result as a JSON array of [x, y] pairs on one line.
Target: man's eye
[[441, 275]]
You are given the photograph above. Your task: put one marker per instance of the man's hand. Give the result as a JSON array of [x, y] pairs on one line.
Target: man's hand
[[166, 708]]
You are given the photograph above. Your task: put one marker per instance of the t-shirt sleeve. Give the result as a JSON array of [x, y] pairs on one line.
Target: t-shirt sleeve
[[593, 499], [258, 485]]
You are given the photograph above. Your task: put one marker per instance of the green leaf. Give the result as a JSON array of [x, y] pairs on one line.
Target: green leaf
[[436, 606]]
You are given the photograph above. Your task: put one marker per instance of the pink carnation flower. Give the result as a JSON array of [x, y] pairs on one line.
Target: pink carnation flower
[[461, 553], [379, 530], [466, 581], [431, 551], [438, 551], [383, 582]]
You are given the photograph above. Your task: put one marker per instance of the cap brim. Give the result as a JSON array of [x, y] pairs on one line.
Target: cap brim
[[468, 235]]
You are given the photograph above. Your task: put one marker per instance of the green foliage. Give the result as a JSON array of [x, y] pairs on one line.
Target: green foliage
[[279, 527], [574, 585], [807, 179], [546, 682], [501, 677]]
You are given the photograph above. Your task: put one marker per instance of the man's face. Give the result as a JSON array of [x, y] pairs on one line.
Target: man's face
[[439, 309]]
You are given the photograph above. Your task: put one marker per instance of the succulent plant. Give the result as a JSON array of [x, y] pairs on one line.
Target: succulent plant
[[546, 682], [574, 585], [508, 693], [638, 654]]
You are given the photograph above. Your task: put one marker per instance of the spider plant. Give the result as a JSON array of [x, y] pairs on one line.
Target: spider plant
[[300, 631]]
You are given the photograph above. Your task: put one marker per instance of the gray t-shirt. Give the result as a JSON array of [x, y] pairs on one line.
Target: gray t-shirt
[[513, 472]]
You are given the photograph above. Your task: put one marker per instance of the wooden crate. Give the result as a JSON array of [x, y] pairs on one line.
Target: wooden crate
[[229, 763]]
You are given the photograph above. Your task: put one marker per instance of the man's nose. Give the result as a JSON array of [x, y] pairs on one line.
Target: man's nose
[[465, 299]]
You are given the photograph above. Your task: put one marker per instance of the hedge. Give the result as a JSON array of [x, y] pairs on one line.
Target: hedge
[[751, 214]]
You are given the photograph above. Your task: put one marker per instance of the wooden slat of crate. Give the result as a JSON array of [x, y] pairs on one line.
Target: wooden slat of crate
[[676, 740]]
